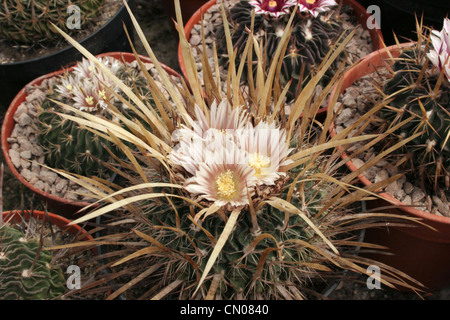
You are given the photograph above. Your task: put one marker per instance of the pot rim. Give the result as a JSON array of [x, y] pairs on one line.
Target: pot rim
[[380, 54], [55, 219]]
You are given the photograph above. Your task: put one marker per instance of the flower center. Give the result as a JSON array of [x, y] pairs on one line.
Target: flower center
[[102, 94], [273, 5], [310, 1], [69, 87], [226, 186], [257, 161], [89, 100]]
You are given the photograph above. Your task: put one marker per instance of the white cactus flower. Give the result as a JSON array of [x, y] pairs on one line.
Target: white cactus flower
[[440, 53]]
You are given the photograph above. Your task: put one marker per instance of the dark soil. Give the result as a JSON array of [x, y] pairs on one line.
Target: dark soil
[[162, 38]]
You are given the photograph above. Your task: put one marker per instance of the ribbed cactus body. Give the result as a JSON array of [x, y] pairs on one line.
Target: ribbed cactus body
[[413, 94], [310, 41], [252, 261], [26, 273], [68, 145], [28, 22]]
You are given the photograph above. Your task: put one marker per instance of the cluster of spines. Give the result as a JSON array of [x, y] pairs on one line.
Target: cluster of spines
[[252, 260], [415, 91]]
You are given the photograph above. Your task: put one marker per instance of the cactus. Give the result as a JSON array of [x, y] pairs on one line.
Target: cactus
[[28, 22], [314, 30], [27, 272], [66, 144], [266, 250], [244, 269], [416, 89]]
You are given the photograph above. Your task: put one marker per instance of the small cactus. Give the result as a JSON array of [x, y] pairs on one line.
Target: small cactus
[[66, 144], [28, 22], [27, 272], [417, 88], [315, 28]]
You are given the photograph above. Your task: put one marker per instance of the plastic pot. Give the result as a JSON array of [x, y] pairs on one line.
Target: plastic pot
[[359, 11], [64, 207], [399, 16], [418, 250], [109, 38]]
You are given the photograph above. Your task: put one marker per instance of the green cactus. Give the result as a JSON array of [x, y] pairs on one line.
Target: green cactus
[[239, 265], [311, 39], [28, 22], [26, 271], [413, 90], [66, 144]]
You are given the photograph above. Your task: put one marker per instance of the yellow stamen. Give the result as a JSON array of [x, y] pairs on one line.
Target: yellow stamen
[[272, 4], [257, 161], [226, 186], [69, 87], [310, 1], [89, 100], [102, 94]]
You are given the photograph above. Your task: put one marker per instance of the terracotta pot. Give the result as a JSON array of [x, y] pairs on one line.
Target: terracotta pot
[[57, 220], [419, 251], [359, 11], [65, 207]]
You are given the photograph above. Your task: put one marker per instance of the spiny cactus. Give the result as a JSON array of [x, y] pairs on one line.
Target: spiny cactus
[[66, 144], [315, 28], [236, 167], [26, 271], [418, 89], [28, 22], [250, 265]]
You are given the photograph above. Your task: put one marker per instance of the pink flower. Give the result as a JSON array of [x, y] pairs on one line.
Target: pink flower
[[272, 8], [440, 53], [225, 156], [223, 178], [314, 7]]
